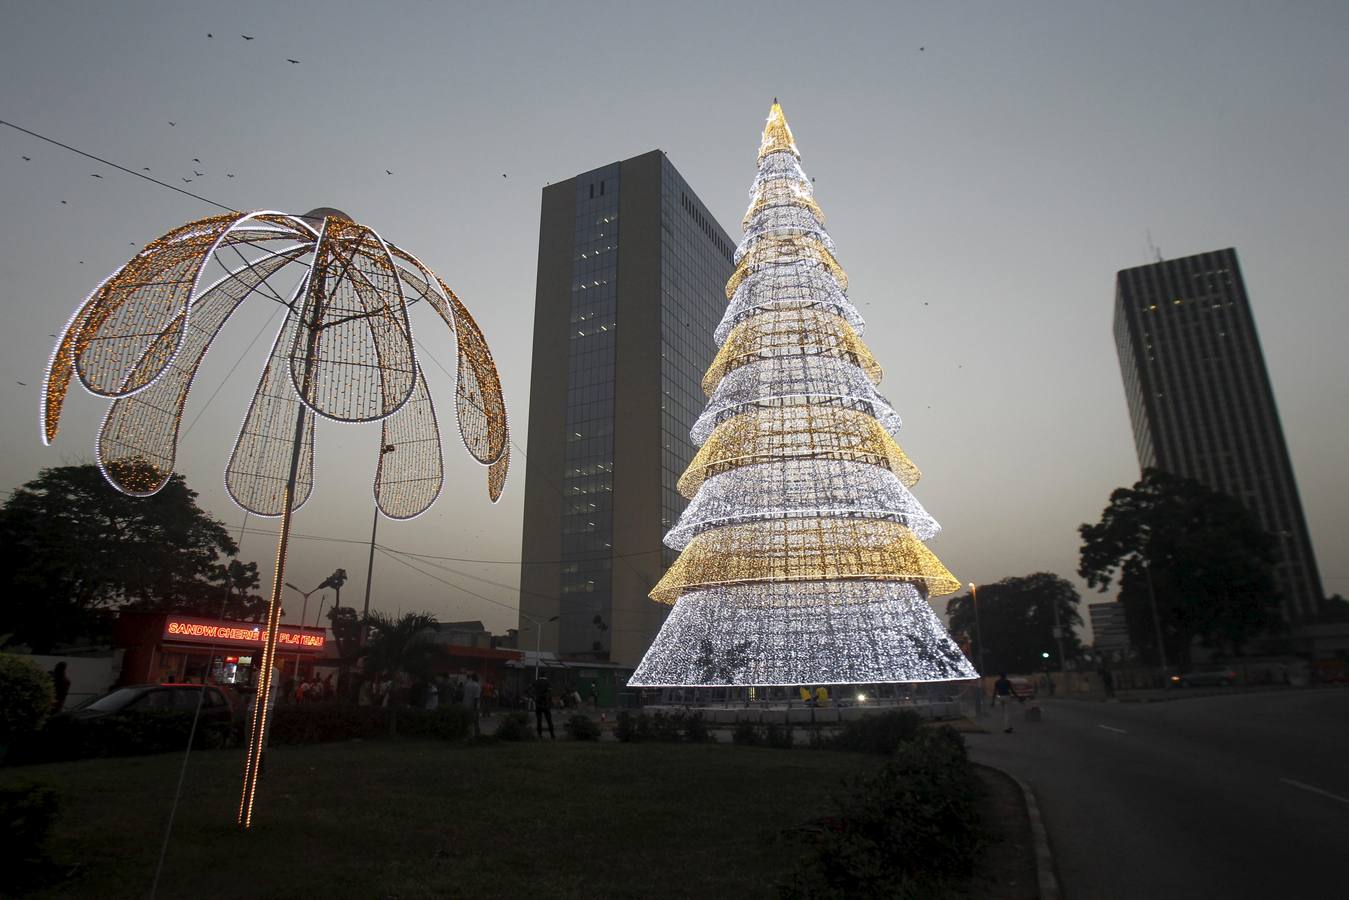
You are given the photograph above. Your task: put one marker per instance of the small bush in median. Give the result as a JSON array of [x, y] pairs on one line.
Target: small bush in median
[[746, 734], [581, 727], [779, 737], [876, 733], [515, 726], [902, 831]]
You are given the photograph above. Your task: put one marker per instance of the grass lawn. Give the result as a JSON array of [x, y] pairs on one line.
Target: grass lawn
[[415, 818]]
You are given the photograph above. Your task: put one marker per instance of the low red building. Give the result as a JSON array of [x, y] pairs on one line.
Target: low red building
[[170, 647]]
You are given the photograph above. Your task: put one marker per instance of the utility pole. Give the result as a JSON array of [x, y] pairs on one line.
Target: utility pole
[[1157, 625]]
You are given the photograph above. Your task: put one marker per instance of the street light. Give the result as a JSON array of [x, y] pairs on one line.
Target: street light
[[538, 638], [304, 613]]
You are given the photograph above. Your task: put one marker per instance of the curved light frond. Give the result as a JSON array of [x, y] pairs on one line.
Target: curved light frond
[[411, 470], [481, 407], [259, 465], [352, 359], [496, 474], [139, 438], [61, 368], [145, 305]]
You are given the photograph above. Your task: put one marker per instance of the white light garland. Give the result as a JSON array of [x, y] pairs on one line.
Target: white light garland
[[794, 381], [778, 220], [802, 634], [801, 488], [802, 285]]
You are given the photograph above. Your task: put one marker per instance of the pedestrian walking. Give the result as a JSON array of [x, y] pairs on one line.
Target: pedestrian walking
[[472, 699], [543, 706], [594, 696], [1002, 696], [61, 682]]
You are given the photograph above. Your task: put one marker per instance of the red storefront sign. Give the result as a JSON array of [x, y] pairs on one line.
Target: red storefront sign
[[184, 629]]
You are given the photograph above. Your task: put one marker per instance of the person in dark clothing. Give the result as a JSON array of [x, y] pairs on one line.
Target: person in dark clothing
[[1002, 696], [61, 682], [543, 706]]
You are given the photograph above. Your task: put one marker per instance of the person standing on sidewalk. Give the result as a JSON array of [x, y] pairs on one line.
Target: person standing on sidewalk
[[543, 706], [1002, 696], [472, 698]]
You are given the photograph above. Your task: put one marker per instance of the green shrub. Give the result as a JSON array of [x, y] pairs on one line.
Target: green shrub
[[877, 732], [27, 812], [26, 697], [696, 730], [581, 727], [667, 727], [903, 831], [515, 726], [625, 727], [319, 723], [745, 734], [779, 737]]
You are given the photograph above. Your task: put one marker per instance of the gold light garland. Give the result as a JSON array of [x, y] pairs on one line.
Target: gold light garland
[[785, 250], [817, 549], [790, 331], [765, 434]]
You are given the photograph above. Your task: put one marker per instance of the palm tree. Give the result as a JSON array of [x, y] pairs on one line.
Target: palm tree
[[405, 644]]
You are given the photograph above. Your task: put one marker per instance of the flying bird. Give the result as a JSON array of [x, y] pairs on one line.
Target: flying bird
[[921, 49], [171, 124], [229, 174], [24, 383], [145, 168], [28, 159], [92, 175], [246, 37], [503, 174], [293, 62], [194, 159], [63, 203], [198, 174], [387, 172], [187, 181]]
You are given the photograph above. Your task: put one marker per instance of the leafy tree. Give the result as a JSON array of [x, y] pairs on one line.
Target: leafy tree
[[1016, 618], [1200, 552], [73, 549]]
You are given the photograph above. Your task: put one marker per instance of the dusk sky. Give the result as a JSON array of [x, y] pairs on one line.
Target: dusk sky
[[986, 168]]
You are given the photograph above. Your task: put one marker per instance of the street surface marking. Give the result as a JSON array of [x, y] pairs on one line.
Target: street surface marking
[[1314, 790], [1116, 730]]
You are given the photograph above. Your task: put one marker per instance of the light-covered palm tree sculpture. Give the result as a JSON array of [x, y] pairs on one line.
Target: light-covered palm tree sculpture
[[344, 351]]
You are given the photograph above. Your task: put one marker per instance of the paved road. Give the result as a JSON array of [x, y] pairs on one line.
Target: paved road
[[1224, 797]]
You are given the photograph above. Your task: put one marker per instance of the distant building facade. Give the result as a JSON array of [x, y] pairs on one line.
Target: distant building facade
[[1201, 402], [1110, 629], [631, 285]]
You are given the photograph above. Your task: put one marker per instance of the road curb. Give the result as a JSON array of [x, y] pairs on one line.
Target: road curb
[[1046, 880]]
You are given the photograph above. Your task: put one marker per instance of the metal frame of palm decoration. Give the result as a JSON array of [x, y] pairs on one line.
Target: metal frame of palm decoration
[[344, 351]]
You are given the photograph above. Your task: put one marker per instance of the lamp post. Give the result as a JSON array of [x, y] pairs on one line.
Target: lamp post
[[538, 638], [1157, 626], [304, 614], [370, 566]]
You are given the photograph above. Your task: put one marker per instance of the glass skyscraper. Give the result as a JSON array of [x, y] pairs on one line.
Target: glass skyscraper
[[1202, 405], [631, 284]]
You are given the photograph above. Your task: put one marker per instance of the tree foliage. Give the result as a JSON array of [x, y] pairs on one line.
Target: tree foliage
[[403, 644], [74, 549], [1200, 552], [1016, 619]]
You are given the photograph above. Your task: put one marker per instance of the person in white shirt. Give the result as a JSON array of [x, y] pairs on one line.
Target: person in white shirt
[[472, 698]]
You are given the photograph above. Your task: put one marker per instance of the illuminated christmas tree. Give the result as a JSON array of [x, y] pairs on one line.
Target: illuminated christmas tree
[[802, 559]]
